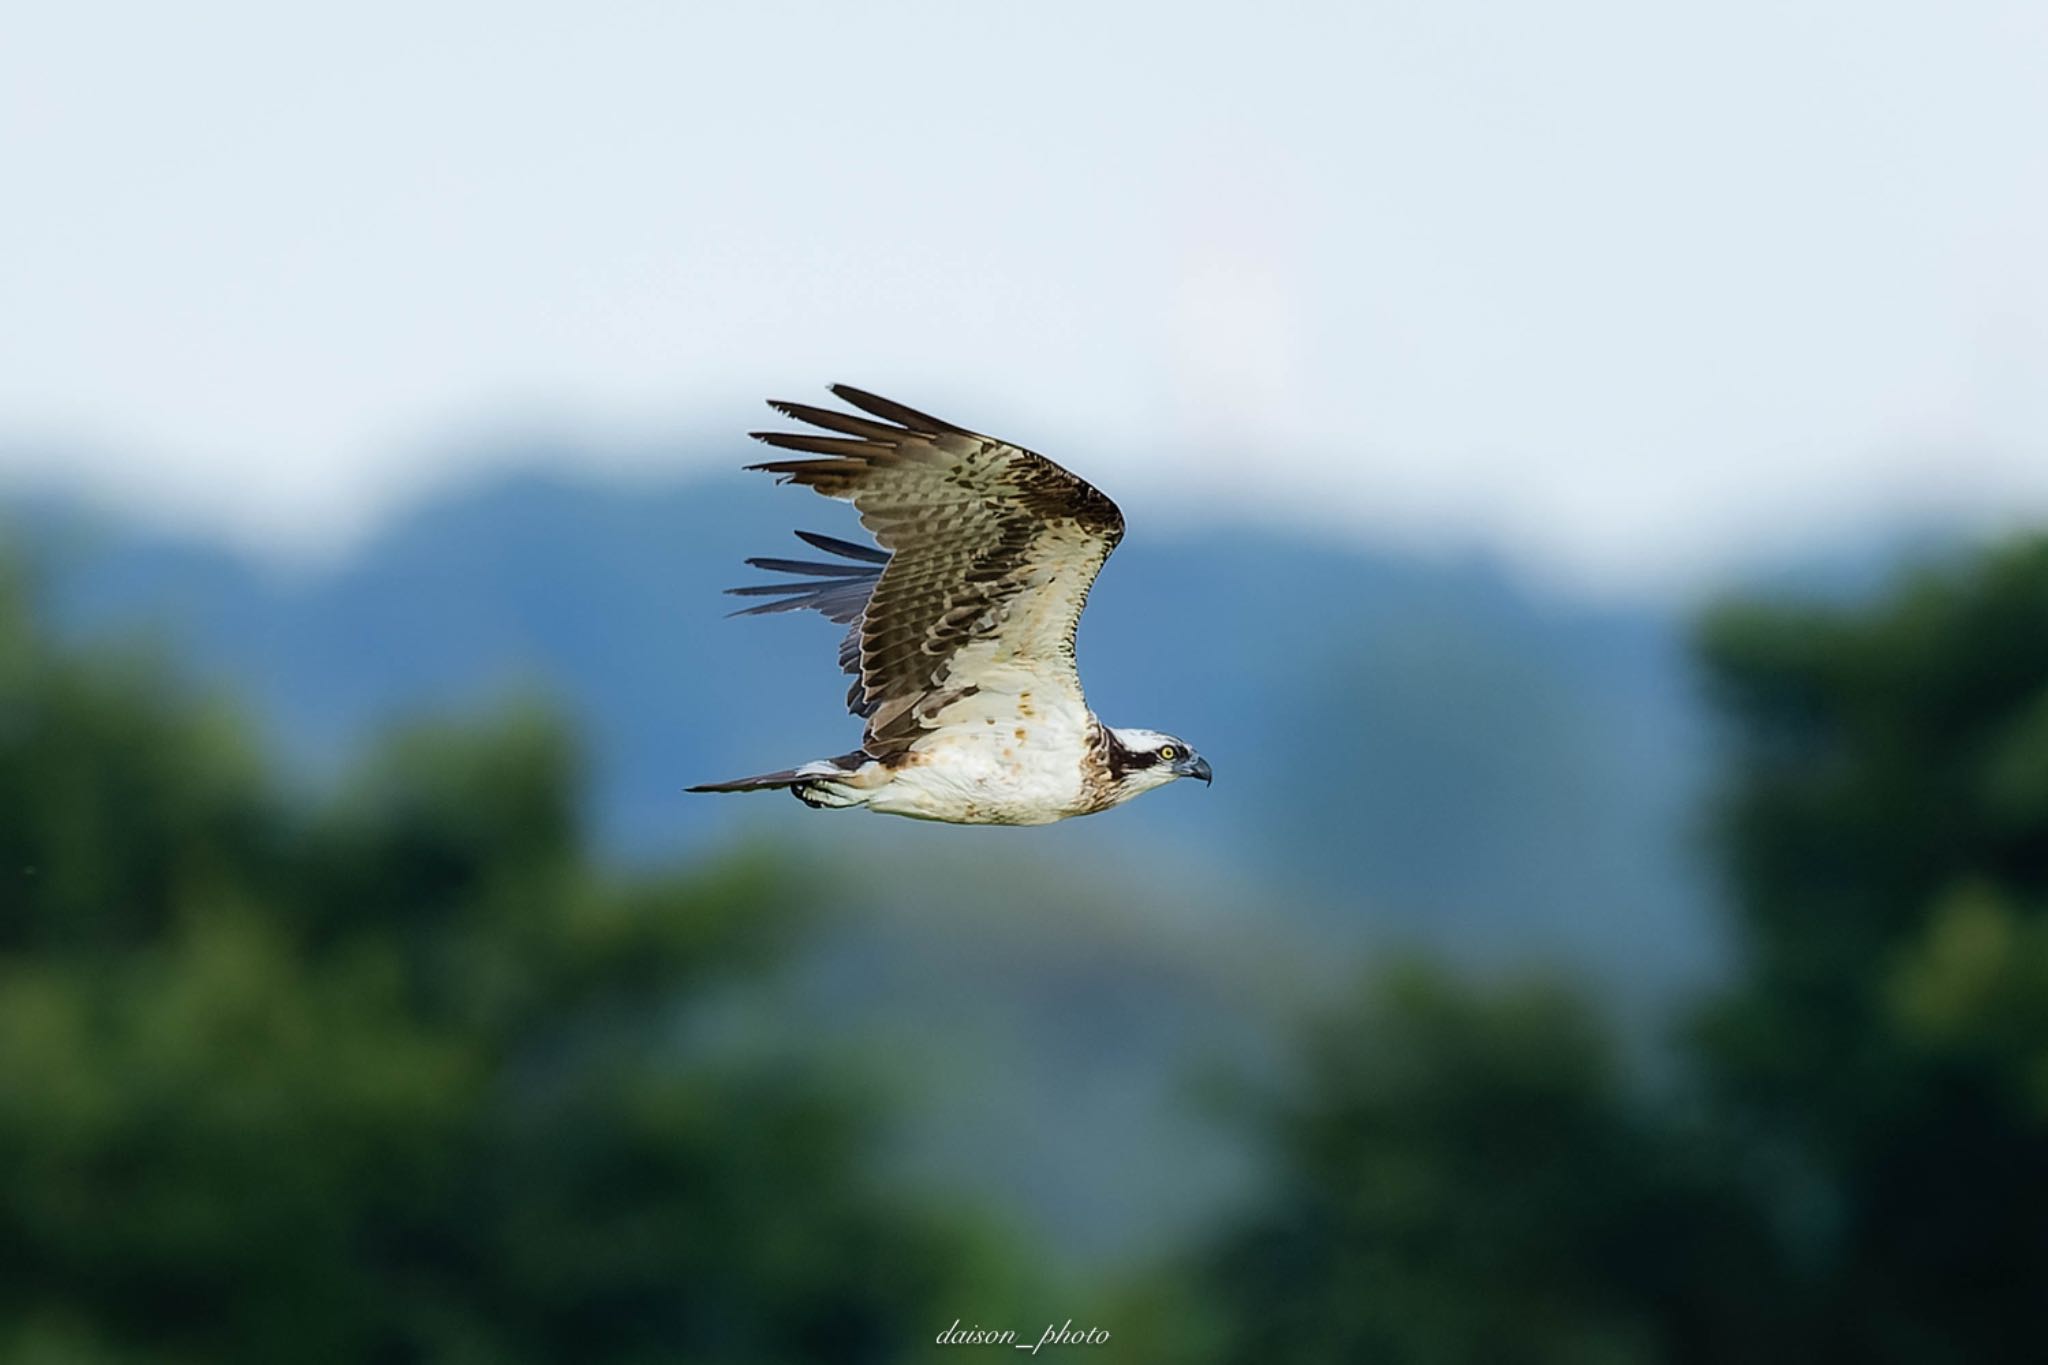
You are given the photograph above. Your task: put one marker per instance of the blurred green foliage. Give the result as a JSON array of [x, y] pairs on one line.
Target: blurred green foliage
[[1464, 1173], [398, 1075], [1846, 1157], [1882, 1057]]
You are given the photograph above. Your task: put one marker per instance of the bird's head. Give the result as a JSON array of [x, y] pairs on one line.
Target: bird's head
[[1140, 760]]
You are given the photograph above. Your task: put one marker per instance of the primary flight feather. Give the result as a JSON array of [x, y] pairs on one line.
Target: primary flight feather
[[961, 626]]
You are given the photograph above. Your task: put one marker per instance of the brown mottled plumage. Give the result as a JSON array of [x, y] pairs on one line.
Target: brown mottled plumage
[[972, 524], [961, 642]]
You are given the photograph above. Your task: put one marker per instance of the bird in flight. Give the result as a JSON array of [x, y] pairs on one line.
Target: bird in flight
[[961, 626]]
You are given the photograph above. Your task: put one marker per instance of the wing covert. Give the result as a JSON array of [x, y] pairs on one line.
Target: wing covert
[[992, 552]]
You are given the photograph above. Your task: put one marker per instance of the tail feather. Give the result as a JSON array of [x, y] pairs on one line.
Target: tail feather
[[824, 768], [765, 782]]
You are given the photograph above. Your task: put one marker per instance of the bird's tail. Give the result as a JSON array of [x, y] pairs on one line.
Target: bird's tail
[[788, 777], [815, 784]]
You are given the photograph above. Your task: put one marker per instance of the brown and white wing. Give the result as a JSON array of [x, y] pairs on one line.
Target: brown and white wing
[[992, 551]]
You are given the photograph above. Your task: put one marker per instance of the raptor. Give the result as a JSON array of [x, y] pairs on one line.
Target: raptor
[[961, 622]]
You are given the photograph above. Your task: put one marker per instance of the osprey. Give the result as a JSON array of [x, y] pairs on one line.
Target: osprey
[[961, 639]]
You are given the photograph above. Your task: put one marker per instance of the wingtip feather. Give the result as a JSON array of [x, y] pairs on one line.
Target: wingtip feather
[[909, 418]]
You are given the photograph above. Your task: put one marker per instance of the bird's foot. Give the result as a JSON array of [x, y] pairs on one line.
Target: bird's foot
[[828, 795]]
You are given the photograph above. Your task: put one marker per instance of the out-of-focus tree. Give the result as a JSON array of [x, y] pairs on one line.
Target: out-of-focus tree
[[1885, 1054], [1846, 1160], [398, 1076], [1464, 1176]]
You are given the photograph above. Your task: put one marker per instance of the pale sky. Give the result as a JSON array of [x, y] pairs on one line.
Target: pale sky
[[1630, 293]]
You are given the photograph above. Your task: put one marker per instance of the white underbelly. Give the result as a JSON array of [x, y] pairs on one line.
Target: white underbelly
[[985, 780]]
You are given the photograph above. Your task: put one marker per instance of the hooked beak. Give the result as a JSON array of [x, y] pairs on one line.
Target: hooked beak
[[1200, 768]]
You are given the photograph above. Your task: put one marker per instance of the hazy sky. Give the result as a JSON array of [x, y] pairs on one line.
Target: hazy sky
[[1627, 291]]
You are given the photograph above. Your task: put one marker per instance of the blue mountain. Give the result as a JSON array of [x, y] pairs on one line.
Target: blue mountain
[[1408, 751], [1412, 747]]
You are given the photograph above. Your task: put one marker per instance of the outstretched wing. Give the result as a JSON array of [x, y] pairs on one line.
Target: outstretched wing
[[992, 552], [835, 589]]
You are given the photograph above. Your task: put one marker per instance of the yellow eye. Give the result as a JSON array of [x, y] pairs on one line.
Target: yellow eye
[[1168, 752]]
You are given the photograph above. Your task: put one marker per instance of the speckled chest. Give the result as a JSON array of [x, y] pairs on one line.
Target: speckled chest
[[992, 775]]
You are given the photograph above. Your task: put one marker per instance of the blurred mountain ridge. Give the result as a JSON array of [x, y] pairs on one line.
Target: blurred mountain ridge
[[1404, 745], [1411, 751]]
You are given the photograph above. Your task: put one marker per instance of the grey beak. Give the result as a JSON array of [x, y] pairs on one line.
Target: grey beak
[[1200, 768]]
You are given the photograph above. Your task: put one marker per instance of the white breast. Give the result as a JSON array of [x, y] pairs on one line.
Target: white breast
[[989, 772]]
